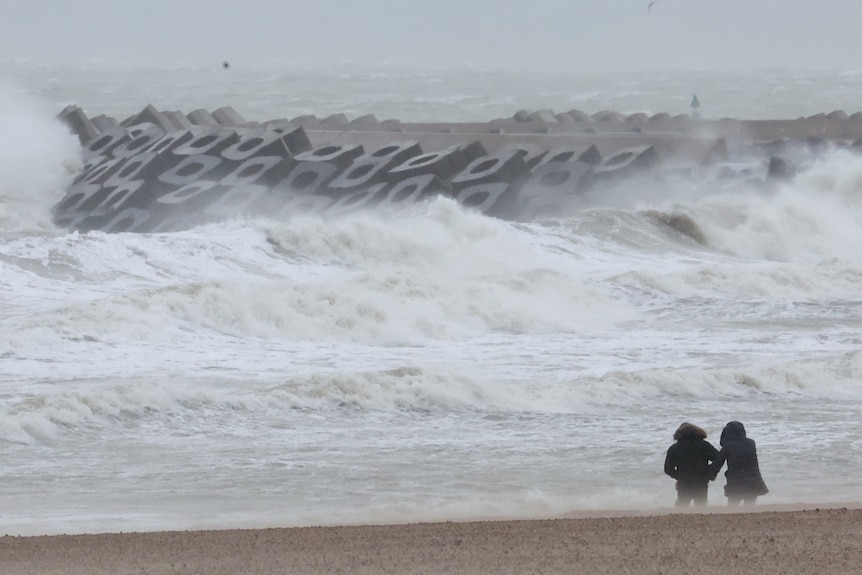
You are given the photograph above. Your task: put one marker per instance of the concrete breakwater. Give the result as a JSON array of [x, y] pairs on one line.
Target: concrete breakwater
[[167, 171]]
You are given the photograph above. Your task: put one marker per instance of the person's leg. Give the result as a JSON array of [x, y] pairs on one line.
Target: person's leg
[[750, 500], [700, 495], [683, 498], [733, 500], [684, 495]]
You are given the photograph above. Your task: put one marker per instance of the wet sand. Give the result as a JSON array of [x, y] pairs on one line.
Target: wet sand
[[762, 540]]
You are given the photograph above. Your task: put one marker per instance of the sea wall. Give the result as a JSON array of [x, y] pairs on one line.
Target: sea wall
[[167, 171]]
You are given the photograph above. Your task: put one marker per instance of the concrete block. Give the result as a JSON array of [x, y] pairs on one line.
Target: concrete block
[[237, 201], [608, 116], [295, 140], [505, 167], [201, 117], [75, 196], [497, 199], [550, 188], [579, 116], [261, 170], [104, 123], [546, 116], [531, 154], [227, 116], [373, 168], [193, 168], [258, 142], [397, 152], [308, 177], [103, 171], [365, 121], [149, 115], [335, 119], [107, 141], [359, 175], [131, 220], [138, 167], [413, 190], [171, 141], [125, 195], [444, 164], [141, 137], [191, 197], [338, 155], [78, 122], [206, 141], [364, 199], [585, 153], [626, 163], [178, 120]]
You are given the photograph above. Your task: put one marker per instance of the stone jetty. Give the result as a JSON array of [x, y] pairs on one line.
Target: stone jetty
[[163, 171]]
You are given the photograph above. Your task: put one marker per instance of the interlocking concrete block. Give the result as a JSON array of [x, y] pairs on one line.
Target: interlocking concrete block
[[627, 162], [308, 178], [444, 164], [506, 166], [550, 188], [238, 201], [584, 153], [105, 143], [149, 115], [546, 116], [227, 116], [373, 168], [497, 199], [190, 169], [365, 121], [260, 170], [131, 220], [78, 122], [178, 120], [141, 137], [201, 141], [579, 116], [201, 117], [335, 154]]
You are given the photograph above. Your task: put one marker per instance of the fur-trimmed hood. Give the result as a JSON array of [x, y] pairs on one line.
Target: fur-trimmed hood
[[689, 431]]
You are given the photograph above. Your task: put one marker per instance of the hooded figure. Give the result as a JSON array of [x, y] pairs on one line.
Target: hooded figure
[[743, 472], [688, 461]]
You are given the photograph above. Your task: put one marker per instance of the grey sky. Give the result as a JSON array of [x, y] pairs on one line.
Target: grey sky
[[551, 34]]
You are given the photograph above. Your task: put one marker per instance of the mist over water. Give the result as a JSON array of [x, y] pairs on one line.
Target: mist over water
[[432, 365]]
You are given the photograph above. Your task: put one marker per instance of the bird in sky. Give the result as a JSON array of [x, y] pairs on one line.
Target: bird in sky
[[649, 8]]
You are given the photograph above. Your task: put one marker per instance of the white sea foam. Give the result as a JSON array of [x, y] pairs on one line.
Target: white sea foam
[[432, 365], [38, 158]]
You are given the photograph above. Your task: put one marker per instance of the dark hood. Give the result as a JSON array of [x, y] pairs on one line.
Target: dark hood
[[731, 431]]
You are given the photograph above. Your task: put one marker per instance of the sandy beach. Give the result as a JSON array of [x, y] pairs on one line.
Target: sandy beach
[[766, 540]]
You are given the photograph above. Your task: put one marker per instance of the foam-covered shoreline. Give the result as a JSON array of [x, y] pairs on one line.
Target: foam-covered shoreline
[[765, 539]]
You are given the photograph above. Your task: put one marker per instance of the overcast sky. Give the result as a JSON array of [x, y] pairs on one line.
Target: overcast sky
[[553, 34]]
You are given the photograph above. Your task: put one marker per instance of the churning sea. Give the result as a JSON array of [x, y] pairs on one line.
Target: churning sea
[[440, 365]]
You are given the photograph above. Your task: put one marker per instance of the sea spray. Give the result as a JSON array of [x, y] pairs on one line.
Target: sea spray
[[38, 159]]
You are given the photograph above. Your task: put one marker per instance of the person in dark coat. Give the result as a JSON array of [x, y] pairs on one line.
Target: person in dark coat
[[688, 461], [744, 482]]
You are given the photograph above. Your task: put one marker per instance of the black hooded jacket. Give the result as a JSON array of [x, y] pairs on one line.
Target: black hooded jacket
[[743, 471], [688, 459]]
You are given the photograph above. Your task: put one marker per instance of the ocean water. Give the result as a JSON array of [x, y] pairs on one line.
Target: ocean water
[[438, 365]]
